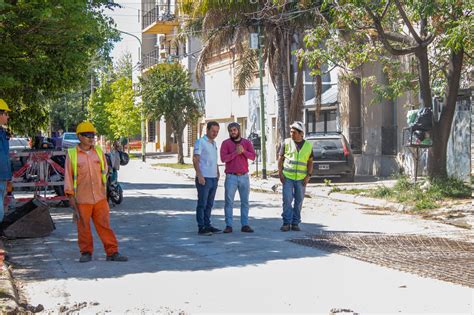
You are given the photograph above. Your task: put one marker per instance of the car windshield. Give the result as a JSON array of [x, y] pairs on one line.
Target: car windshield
[[327, 144], [70, 136], [18, 143]]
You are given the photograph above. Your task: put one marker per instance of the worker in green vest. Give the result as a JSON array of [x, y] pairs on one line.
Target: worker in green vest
[[295, 167]]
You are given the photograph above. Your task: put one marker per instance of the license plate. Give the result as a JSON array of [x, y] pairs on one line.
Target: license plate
[[323, 166]]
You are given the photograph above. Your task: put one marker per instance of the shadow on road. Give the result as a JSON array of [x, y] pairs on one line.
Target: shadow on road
[[160, 234]]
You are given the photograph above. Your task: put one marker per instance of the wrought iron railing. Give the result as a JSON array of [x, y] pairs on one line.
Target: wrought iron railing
[[156, 56], [159, 13]]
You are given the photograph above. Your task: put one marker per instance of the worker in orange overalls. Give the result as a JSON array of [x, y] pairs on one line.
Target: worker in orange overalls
[[85, 185]]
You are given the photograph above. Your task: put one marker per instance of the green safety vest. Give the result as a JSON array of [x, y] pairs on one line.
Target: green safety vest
[[295, 165], [72, 153]]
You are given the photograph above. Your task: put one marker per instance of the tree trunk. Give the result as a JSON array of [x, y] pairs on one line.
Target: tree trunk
[[281, 107], [275, 64], [285, 79], [437, 156], [297, 97], [179, 135], [424, 77], [297, 100]]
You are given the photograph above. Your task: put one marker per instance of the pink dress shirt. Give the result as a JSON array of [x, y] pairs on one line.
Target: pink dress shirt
[[237, 163]]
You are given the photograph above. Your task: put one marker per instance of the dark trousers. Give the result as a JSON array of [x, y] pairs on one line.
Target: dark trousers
[[206, 195]]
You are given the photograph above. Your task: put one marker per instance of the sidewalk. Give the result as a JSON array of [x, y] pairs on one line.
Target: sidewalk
[[460, 215], [8, 296], [315, 189]]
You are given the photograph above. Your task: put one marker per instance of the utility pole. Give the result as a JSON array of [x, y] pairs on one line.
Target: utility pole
[[262, 103], [142, 113]]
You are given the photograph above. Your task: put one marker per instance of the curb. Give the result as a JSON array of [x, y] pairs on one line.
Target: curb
[[369, 202], [8, 294], [337, 196]]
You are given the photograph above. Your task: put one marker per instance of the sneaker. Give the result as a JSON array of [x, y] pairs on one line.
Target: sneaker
[[117, 257], [204, 231], [246, 229], [213, 229], [295, 227], [285, 228], [85, 257], [228, 229]]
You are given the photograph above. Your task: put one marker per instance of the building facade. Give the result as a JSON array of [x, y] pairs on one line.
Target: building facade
[[161, 44]]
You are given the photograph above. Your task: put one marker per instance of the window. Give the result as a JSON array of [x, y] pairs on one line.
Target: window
[[70, 136], [151, 130], [326, 121]]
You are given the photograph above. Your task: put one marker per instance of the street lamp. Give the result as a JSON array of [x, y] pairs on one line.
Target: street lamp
[[142, 110]]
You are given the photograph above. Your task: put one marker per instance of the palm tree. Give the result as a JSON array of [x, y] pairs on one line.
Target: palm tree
[[226, 25]]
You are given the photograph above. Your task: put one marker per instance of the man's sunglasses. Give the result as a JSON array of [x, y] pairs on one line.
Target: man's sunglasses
[[89, 135]]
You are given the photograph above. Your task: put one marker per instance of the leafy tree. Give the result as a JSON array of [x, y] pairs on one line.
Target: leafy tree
[[67, 111], [436, 33], [46, 50], [111, 107], [225, 25], [166, 92], [97, 107], [124, 116]]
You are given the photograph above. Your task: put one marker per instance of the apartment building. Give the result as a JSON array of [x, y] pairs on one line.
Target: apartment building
[[160, 44]]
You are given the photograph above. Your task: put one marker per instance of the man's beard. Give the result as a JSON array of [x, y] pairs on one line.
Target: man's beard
[[236, 136]]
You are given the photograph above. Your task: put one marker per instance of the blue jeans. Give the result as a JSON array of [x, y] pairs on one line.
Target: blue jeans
[[232, 184], [206, 195], [292, 190], [3, 191]]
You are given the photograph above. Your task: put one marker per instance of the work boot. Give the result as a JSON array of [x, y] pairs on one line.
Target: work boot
[[204, 231], [117, 257], [246, 229], [285, 228], [85, 257], [213, 229], [228, 229], [295, 227]]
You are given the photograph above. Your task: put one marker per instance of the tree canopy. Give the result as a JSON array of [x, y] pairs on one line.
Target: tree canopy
[[47, 48], [112, 106], [166, 92], [434, 35]]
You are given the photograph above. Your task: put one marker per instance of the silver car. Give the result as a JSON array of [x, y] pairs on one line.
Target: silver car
[[69, 140]]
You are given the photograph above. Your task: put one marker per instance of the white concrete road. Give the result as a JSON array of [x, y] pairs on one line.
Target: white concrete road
[[173, 270]]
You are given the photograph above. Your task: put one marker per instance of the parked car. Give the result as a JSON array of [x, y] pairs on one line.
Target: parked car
[[18, 145], [332, 156], [69, 140]]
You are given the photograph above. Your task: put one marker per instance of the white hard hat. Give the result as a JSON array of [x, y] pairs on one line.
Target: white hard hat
[[298, 125]]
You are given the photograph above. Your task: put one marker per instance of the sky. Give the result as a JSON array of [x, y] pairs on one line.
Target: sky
[[128, 19]]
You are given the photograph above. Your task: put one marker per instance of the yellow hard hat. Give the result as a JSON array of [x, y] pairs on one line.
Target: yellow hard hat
[[4, 106], [85, 126]]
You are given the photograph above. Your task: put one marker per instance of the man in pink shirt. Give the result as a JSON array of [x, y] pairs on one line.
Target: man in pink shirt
[[235, 153]]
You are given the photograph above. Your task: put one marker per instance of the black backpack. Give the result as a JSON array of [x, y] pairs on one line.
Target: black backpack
[[423, 120]]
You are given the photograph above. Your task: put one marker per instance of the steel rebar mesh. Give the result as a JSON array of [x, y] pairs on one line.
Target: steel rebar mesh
[[427, 256]]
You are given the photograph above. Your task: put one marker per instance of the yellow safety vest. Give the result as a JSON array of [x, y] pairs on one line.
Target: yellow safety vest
[[72, 153], [295, 165]]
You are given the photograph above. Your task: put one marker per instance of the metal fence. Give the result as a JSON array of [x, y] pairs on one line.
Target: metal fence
[[158, 13]]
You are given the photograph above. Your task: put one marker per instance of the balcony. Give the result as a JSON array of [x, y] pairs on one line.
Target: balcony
[[161, 19], [155, 57]]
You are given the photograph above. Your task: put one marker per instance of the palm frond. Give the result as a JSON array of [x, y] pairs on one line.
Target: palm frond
[[246, 67]]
